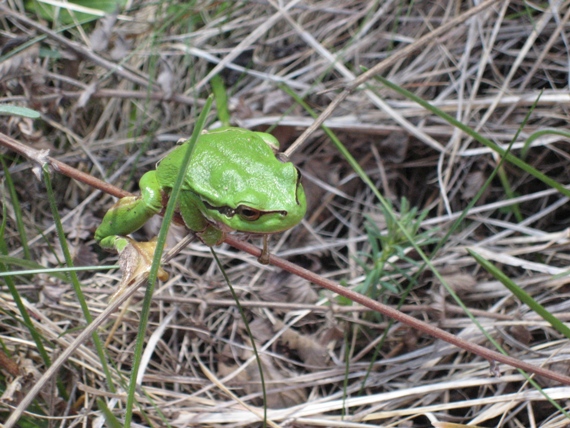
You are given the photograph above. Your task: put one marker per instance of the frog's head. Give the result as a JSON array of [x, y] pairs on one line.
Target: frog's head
[[243, 184], [270, 202]]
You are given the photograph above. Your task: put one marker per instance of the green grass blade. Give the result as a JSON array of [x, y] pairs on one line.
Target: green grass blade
[[16, 296], [427, 262], [249, 333], [161, 241], [522, 295], [35, 269], [11, 110], [110, 419], [74, 279], [219, 91], [30, 266], [538, 134], [17, 209], [486, 142]]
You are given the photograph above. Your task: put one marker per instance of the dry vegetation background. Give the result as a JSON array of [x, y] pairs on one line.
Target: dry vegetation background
[[116, 95]]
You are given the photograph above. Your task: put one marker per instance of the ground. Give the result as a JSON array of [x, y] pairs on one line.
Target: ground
[[116, 93]]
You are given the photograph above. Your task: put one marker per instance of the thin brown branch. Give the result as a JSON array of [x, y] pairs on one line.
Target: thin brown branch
[[399, 316], [41, 157]]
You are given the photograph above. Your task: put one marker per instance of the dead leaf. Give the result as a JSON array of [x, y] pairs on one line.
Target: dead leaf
[[22, 59], [301, 292], [120, 48], [521, 334], [308, 348], [473, 183], [280, 394], [283, 287], [166, 79], [310, 351], [100, 37], [261, 329], [276, 102], [134, 260], [394, 148], [460, 282], [8, 364], [86, 95], [16, 390]]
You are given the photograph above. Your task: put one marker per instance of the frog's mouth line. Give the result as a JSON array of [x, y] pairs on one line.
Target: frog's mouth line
[[231, 212], [299, 178]]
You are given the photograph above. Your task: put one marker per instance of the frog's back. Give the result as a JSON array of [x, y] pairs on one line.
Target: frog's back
[[229, 166], [217, 154]]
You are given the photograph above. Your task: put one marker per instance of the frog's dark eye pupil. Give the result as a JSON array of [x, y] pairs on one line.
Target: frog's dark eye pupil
[[247, 213]]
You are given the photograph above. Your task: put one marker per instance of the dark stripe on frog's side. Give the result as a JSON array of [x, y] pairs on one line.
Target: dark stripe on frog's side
[[230, 212]]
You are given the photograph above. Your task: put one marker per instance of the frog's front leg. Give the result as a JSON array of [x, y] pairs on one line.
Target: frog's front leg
[[130, 213], [195, 221]]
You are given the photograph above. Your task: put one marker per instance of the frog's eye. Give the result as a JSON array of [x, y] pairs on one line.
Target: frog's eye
[[247, 213]]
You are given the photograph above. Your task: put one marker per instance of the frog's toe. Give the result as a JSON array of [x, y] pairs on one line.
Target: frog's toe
[[116, 242]]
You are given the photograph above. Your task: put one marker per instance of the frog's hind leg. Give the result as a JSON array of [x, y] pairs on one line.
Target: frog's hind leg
[[130, 213]]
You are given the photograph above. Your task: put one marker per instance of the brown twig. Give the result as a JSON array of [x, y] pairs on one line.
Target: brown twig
[[41, 157], [395, 314]]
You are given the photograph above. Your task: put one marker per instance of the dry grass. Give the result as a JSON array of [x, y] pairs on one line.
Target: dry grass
[[318, 357]]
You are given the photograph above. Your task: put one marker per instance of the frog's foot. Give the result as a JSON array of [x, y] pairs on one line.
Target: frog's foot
[[130, 213], [211, 236], [119, 243]]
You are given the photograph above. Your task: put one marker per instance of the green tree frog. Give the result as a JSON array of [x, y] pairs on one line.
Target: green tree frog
[[236, 181]]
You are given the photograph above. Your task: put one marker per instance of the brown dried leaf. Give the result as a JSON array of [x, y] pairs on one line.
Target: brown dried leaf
[[261, 329], [22, 59], [100, 37], [275, 102], [16, 390], [311, 352], [301, 292], [7, 364], [331, 334], [283, 287], [460, 282], [120, 49], [26, 127], [84, 256], [166, 79], [53, 291], [521, 334], [277, 381], [473, 183], [86, 95], [135, 260], [394, 148]]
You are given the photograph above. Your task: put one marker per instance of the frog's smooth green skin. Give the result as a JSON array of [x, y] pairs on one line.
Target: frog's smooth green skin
[[234, 182]]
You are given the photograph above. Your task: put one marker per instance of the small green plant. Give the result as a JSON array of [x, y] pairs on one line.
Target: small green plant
[[74, 11], [12, 110], [389, 248]]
